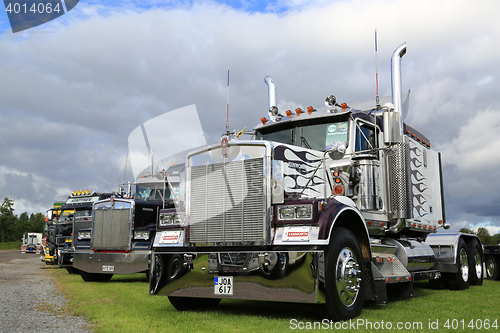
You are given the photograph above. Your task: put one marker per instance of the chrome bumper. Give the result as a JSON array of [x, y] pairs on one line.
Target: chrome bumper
[[268, 276], [111, 262]]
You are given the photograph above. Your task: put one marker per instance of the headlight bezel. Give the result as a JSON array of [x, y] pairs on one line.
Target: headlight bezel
[[301, 212], [85, 235], [169, 219], [141, 234]]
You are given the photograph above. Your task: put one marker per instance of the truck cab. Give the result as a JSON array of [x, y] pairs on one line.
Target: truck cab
[[32, 243], [119, 238], [332, 206], [76, 209]]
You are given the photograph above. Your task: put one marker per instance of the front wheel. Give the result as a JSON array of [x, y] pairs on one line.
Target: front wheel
[[344, 288]]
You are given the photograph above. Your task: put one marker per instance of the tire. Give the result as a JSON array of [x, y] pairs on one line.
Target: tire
[[461, 279], [475, 254], [344, 287], [190, 303], [492, 268], [95, 277]]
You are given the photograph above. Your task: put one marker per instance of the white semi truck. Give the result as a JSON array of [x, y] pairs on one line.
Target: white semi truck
[[32, 243], [333, 206]]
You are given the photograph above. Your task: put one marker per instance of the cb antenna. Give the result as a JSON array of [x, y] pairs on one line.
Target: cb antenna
[[377, 99], [227, 117]]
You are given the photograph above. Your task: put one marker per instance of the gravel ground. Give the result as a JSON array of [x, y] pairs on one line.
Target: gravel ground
[[30, 301]]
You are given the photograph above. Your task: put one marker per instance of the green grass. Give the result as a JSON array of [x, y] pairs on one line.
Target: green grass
[[11, 245], [124, 305]]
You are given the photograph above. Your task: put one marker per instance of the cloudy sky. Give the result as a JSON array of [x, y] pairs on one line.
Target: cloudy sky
[[72, 90]]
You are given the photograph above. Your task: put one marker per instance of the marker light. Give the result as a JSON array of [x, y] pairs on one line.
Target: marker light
[[310, 109], [288, 113], [264, 120], [338, 189], [344, 106], [298, 111]]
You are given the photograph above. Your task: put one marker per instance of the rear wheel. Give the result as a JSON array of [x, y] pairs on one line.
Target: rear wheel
[[191, 303], [476, 263], [492, 267], [344, 288], [460, 280]]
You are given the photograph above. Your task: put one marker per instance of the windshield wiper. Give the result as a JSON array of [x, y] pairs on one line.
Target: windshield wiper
[[304, 141]]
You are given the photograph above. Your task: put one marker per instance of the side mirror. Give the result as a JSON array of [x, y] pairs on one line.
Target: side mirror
[[160, 172], [336, 150]]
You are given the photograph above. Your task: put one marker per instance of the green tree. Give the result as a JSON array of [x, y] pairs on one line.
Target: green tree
[[495, 240], [37, 222], [467, 231], [484, 235], [7, 219]]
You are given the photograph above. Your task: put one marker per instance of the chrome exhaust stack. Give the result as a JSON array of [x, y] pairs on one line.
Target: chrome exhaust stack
[[273, 107], [398, 160], [396, 82]]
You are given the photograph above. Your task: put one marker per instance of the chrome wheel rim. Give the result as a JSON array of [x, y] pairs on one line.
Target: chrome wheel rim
[[347, 277], [464, 267], [477, 264], [490, 267]]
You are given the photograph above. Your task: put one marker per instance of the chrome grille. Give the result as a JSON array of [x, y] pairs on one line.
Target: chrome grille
[[228, 203], [238, 259], [111, 229]]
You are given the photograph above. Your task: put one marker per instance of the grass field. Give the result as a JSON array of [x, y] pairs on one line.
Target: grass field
[[11, 245], [124, 305]]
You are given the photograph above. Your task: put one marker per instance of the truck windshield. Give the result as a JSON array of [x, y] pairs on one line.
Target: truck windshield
[[154, 193], [68, 214], [313, 136]]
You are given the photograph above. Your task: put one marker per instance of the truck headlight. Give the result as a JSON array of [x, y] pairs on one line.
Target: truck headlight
[[298, 212], [141, 234], [169, 219], [82, 235]]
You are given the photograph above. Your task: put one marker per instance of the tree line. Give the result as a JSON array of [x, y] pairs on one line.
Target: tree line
[[484, 235], [13, 227]]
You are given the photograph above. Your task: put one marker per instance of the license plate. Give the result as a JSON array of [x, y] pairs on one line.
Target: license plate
[[106, 268], [223, 285]]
